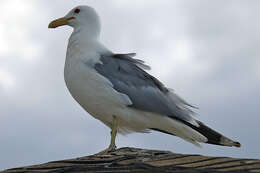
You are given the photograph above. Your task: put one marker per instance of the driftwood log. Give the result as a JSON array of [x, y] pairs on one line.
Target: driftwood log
[[140, 161]]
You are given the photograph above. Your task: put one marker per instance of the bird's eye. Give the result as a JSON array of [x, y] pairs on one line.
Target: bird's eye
[[77, 10]]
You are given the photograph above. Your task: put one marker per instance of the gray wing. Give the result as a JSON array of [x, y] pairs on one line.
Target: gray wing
[[145, 91]]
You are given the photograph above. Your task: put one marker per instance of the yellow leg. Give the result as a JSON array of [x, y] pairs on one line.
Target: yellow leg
[[112, 145]]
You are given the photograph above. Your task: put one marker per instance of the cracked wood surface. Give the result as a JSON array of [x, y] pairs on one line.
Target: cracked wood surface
[[141, 161]]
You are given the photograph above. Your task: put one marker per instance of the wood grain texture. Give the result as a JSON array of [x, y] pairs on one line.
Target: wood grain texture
[[141, 161]]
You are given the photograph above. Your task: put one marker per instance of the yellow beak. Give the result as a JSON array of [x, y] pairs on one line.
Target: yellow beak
[[60, 22]]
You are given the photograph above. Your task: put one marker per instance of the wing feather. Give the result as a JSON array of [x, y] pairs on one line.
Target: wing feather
[[145, 91]]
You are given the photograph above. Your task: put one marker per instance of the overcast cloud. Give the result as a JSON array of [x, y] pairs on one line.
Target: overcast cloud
[[207, 51]]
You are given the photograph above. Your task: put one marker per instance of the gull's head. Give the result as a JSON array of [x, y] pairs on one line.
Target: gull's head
[[80, 17]]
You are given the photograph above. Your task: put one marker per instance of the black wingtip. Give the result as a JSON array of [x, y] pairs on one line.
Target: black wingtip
[[237, 144]]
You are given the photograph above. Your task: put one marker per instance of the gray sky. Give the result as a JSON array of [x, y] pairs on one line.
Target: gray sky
[[207, 51]]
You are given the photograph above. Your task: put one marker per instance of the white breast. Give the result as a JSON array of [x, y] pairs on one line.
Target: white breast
[[97, 96], [91, 90]]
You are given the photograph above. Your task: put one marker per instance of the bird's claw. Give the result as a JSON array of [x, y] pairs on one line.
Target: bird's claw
[[107, 151]]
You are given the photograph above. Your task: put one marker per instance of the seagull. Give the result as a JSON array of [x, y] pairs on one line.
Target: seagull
[[117, 90]]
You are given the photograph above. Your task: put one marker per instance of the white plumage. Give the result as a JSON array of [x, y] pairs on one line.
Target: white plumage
[[100, 86]]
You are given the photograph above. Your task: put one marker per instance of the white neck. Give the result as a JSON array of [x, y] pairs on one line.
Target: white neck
[[85, 46], [88, 32]]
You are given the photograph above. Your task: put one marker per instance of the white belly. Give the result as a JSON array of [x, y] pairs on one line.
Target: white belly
[[97, 96], [92, 92]]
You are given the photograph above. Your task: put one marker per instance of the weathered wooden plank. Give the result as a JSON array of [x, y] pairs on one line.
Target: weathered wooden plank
[[142, 161]]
